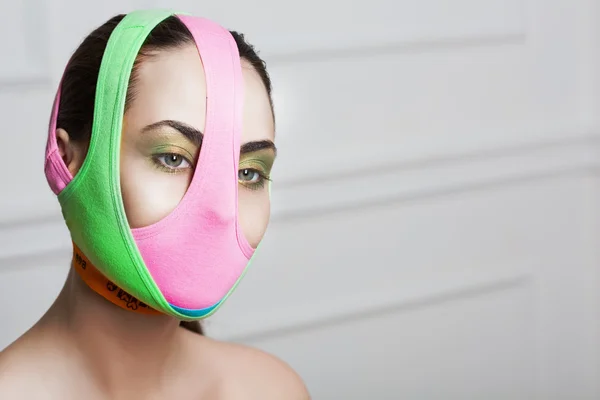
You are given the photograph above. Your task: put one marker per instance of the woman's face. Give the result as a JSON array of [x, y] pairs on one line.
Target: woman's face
[[161, 137]]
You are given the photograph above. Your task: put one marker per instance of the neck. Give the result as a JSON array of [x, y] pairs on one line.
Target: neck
[[119, 348]]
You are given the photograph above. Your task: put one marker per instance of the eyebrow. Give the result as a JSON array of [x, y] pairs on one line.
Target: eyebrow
[[251, 147], [196, 136], [191, 133]]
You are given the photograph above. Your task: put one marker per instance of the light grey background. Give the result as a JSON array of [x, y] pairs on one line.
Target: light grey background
[[435, 224]]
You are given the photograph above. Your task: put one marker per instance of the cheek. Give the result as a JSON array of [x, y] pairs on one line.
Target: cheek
[[149, 194], [254, 212]]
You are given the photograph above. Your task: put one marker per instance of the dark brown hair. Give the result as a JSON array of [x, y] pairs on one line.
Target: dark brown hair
[[78, 89]]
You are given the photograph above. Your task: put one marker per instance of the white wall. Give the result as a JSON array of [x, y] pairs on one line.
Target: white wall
[[437, 198]]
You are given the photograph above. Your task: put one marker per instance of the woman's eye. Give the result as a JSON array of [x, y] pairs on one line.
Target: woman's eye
[[249, 176], [173, 161]]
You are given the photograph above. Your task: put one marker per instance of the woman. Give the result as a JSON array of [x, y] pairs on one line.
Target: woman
[[160, 150]]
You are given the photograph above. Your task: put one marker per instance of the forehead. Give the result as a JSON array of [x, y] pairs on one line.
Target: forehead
[[171, 85]]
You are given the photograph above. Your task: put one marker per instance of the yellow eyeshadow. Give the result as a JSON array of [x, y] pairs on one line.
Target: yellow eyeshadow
[[257, 164], [168, 142]]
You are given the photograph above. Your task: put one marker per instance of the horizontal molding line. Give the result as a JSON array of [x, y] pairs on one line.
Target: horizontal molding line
[[435, 177], [352, 190], [8, 84], [22, 244], [419, 157], [278, 323], [294, 51]]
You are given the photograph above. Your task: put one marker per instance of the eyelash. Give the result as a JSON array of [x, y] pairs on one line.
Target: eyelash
[[259, 184], [171, 170], [262, 178]]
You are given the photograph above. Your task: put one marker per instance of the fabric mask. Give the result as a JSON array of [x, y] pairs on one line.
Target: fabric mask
[[189, 262]]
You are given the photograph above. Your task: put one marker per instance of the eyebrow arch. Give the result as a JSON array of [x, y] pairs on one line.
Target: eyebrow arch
[[191, 133], [196, 136], [251, 147]]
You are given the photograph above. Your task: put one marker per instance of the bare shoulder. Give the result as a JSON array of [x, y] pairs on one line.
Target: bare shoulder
[[19, 367], [251, 373], [11, 375], [266, 374], [32, 369]]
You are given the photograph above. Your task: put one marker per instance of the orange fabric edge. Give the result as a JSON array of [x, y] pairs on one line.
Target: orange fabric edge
[[106, 288]]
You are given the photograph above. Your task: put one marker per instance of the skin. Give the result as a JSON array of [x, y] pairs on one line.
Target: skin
[[85, 347]]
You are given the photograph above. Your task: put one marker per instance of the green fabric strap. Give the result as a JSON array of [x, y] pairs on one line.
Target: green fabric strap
[[92, 203]]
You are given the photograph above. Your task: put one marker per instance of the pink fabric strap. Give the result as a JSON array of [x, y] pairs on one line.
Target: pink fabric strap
[[204, 229], [57, 173]]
